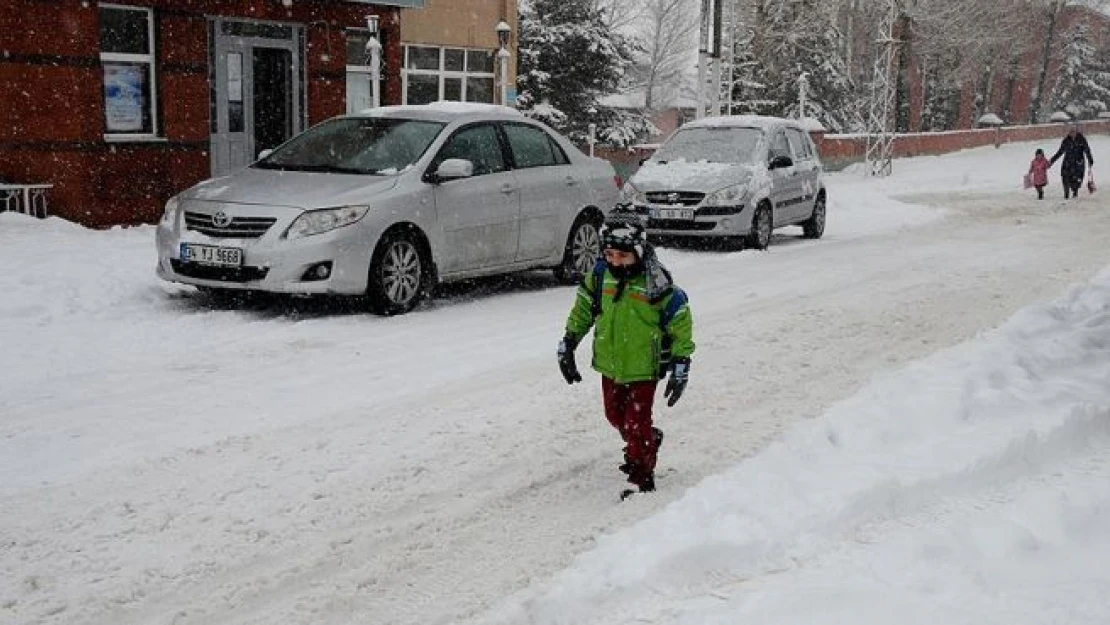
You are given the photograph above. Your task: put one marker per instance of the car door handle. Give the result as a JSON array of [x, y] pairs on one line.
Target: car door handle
[[571, 181], [507, 188]]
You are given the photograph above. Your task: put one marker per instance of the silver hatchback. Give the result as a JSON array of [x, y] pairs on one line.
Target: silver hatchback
[[390, 202], [734, 177]]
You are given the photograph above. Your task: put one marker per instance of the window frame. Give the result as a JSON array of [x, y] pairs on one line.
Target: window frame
[[149, 59], [502, 143], [803, 144], [442, 74], [559, 155], [775, 136]]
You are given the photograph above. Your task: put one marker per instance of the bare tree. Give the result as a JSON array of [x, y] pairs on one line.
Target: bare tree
[[669, 29], [620, 15]]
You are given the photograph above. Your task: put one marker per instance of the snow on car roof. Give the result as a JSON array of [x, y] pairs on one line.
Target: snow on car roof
[[762, 122], [441, 111]]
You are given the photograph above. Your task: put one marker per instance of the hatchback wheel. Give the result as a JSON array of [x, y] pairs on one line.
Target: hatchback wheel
[[582, 251], [760, 235], [814, 227], [398, 275]]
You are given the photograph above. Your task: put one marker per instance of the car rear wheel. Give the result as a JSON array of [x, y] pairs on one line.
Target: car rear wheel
[[814, 227], [762, 225], [582, 251], [398, 275]]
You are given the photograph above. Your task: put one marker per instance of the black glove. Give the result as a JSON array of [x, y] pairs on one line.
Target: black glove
[[680, 375], [566, 359]]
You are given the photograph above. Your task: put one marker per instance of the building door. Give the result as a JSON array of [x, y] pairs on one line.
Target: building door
[[257, 89]]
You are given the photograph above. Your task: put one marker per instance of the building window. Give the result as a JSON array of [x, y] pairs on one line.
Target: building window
[[432, 73], [127, 57], [359, 92]]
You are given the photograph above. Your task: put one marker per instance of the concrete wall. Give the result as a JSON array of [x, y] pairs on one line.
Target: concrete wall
[[838, 151]]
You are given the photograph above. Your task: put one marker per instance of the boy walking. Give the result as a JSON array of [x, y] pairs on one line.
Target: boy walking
[[643, 331]]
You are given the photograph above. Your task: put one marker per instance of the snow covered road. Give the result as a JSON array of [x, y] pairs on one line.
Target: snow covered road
[[169, 462]]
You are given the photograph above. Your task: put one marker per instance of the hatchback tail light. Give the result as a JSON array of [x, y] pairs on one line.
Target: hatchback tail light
[[617, 180]]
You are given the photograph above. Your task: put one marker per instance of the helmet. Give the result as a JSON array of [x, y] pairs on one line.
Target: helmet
[[624, 232]]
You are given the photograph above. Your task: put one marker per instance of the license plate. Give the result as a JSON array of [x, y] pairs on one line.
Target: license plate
[[673, 213], [212, 255]]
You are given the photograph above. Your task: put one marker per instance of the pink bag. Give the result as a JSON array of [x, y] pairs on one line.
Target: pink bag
[[1027, 181]]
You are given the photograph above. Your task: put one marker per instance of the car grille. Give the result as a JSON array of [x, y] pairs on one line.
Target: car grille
[[239, 228], [679, 224], [223, 274], [685, 198], [709, 211]]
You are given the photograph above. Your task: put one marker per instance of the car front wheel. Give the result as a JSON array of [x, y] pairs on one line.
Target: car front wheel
[[814, 227], [582, 251], [398, 275], [762, 225]]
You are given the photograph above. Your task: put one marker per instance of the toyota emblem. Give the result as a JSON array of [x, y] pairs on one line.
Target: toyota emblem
[[672, 198], [221, 220]]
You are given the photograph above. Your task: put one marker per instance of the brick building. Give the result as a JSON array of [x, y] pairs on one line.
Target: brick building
[[120, 105]]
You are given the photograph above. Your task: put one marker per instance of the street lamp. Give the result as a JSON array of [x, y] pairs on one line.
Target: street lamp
[[503, 31], [591, 130], [374, 51], [803, 85]]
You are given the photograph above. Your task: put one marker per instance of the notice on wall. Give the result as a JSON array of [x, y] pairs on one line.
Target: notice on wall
[[123, 97]]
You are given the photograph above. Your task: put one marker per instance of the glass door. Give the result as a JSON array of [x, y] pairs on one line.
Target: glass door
[[257, 89]]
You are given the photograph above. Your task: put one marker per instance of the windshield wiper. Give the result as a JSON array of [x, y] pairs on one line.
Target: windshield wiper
[[326, 169]]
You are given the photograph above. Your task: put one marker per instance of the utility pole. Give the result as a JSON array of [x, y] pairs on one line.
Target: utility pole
[[880, 122]]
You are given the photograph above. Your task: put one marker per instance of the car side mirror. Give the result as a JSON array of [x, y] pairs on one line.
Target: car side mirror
[[454, 169], [264, 153], [779, 162], [644, 160]]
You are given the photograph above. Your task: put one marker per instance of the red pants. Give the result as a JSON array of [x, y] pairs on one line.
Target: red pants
[[628, 408]]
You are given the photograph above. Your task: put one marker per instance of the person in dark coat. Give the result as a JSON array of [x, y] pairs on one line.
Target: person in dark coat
[[1073, 148]]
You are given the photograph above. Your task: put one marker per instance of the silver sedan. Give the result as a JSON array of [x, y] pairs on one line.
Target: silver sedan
[[390, 202]]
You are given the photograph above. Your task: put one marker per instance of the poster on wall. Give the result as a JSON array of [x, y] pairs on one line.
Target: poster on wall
[[123, 97]]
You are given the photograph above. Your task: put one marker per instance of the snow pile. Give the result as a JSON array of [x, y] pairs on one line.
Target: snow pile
[[42, 285]]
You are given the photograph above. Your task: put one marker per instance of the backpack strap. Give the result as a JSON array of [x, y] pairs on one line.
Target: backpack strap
[[678, 300], [599, 285]]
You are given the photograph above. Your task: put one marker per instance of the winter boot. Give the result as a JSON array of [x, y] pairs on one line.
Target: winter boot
[[645, 484]]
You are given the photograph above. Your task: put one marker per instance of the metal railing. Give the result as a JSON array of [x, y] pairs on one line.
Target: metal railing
[[29, 199]]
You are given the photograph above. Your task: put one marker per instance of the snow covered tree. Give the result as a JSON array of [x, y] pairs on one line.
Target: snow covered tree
[[788, 38], [569, 58], [940, 94], [748, 87], [1082, 88]]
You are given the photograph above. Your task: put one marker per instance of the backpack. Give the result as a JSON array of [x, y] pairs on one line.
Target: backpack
[[678, 299]]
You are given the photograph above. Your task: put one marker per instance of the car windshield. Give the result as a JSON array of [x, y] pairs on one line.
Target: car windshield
[[353, 145], [713, 144]]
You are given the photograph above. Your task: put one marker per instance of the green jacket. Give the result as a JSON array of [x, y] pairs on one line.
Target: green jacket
[[628, 338]]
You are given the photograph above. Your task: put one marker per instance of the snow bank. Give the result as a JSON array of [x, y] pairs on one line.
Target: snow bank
[[1025, 397]]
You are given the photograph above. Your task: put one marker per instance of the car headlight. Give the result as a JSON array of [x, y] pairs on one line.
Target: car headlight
[[632, 195], [169, 215], [318, 221], [728, 196]]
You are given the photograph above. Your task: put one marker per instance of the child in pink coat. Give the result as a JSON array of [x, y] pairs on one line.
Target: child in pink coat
[[1038, 173]]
